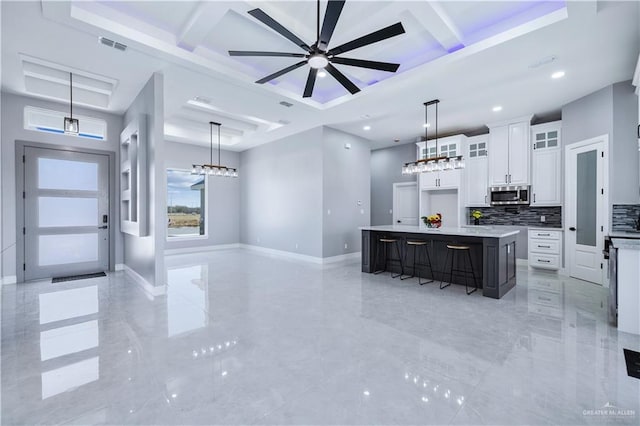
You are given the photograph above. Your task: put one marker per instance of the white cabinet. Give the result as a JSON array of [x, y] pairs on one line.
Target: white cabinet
[[545, 248], [477, 172], [509, 158], [546, 165], [447, 179], [451, 146]]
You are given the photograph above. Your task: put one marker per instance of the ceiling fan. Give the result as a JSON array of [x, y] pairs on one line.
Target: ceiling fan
[[318, 55]]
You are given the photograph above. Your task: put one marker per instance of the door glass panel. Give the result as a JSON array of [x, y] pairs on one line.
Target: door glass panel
[[63, 174], [552, 135], [63, 211], [67, 248], [553, 142], [586, 198], [540, 136]]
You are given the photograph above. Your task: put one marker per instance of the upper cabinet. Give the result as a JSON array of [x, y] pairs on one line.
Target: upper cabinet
[[509, 158], [477, 171], [546, 167], [451, 146]]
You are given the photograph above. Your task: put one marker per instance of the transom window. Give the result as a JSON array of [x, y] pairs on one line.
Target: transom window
[[50, 121]]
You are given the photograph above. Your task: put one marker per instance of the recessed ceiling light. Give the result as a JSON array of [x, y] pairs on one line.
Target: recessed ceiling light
[[557, 74], [497, 108], [322, 74], [366, 128], [426, 125]]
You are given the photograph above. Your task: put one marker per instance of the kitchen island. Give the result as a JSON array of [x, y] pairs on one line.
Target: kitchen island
[[493, 253]]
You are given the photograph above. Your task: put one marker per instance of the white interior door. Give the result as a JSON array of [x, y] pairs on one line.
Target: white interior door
[[586, 209], [66, 207], [405, 203]]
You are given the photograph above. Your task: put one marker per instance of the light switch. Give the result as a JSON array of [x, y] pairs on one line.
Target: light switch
[[543, 219], [359, 202], [361, 211]]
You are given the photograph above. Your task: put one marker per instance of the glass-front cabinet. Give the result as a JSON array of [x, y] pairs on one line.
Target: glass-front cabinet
[[546, 164], [450, 146]]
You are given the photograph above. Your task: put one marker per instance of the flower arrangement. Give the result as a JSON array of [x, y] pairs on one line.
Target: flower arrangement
[[433, 221], [476, 215]]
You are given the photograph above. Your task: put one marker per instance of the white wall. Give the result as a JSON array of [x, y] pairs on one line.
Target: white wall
[[281, 194], [13, 130], [223, 212], [346, 180], [145, 255]]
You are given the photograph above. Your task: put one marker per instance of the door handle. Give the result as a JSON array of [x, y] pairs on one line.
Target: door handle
[[506, 178], [573, 228], [103, 227], [399, 221]]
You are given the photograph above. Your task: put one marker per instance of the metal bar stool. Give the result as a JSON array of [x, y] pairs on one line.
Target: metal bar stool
[[416, 244], [453, 249], [385, 242]]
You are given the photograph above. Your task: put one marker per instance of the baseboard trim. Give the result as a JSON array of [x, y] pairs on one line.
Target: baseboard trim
[[302, 257], [522, 262], [119, 267], [9, 279], [342, 257], [150, 289], [190, 250]]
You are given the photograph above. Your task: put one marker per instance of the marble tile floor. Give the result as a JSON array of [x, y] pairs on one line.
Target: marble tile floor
[[245, 338]]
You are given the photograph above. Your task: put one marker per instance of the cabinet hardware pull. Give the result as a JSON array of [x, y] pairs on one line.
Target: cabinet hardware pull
[[506, 178], [544, 235], [543, 246], [543, 261], [534, 197]]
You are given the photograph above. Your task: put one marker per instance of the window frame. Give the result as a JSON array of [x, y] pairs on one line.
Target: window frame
[[30, 112], [203, 236]]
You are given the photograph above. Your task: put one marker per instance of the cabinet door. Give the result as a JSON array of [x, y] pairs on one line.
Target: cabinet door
[[428, 180], [546, 178], [477, 175], [498, 155], [519, 153], [450, 178]]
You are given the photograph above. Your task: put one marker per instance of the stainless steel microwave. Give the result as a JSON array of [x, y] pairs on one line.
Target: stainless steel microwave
[[509, 195]]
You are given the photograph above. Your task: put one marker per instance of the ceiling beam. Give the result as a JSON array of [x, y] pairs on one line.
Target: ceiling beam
[[439, 24], [199, 24]]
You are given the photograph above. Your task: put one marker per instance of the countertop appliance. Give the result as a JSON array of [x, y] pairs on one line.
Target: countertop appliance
[[509, 195]]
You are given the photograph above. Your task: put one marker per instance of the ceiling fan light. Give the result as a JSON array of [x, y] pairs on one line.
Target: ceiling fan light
[[318, 61]]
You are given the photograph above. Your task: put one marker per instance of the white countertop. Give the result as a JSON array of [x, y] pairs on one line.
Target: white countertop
[[467, 231], [626, 243], [544, 228], [622, 234]]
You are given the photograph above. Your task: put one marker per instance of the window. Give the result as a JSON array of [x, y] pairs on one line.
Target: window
[[45, 120], [186, 201], [478, 149]]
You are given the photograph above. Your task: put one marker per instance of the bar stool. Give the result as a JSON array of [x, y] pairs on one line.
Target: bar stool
[[416, 244], [385, 242], [453, 249]]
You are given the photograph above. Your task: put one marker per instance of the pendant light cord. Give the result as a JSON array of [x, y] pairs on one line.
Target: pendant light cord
[[437, 129], [318, 24], [71, 95], [211, 142], [219, 146]]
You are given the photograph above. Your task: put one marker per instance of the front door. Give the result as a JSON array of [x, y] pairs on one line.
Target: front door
[[586, 207], [66, 207], [405, 204]]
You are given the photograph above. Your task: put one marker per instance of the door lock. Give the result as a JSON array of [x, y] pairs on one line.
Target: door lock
[[573, 228]]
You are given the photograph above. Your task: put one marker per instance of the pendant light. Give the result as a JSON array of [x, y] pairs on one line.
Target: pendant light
[[437, 162], [71, 125], [214, 169]]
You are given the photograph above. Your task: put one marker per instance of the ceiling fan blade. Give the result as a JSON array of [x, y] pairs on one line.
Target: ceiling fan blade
[[277, 27], [374, 37], [255, 53], [375, 65], [311, 81], [342, 79], [281, 72], [331, 16]]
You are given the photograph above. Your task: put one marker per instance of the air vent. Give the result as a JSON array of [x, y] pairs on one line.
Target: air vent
[[286, 104], [111, 43]]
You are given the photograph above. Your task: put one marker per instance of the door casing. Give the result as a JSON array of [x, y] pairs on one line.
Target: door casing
[[20, 187]]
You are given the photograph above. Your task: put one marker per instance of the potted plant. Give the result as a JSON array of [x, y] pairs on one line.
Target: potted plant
[[433, 221], [476, 215]]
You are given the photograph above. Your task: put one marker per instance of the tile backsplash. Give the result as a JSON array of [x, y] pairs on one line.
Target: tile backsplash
[[519, 216], [624, 217]]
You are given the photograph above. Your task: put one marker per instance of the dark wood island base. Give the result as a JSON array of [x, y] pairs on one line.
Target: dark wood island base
[[493, 254]]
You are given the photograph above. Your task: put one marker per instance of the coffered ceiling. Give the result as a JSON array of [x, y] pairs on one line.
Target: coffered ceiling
[[472, 55]]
